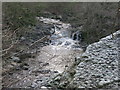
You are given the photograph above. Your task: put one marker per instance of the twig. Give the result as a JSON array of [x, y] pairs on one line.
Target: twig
[[9, 47], [6, 50], [10, 34], [38, 40]]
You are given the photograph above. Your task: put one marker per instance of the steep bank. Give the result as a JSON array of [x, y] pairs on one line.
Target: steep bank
[[96, 68]]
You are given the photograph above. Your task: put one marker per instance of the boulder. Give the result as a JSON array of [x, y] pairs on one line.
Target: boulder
[[98, 65]]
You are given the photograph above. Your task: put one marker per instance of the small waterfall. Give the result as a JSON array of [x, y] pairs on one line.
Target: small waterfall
[[76, 36]]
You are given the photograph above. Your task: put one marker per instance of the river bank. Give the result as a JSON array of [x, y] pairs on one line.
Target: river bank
[[50, 60]]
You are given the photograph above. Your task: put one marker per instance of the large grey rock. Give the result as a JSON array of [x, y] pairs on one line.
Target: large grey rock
[[99, 64]]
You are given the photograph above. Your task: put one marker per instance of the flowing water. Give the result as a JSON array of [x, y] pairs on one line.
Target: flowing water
[[62, 49], [51, 59]]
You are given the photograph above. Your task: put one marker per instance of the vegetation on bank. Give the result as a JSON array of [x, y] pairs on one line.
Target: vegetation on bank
[[98, 18]]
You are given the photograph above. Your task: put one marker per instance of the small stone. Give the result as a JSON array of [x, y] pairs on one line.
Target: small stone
[[22, 38], [43, 87], [17, 68], [101, 83], [81, 87], [84, 56], [43, 71], [97, 75], [15, 59], [67, 43], [25, 68], [13, 63], [81, 65], [57, 78], [33, 85], [81, 77]]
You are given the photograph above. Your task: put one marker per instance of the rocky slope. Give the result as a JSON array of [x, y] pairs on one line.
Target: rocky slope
[[96, 68]]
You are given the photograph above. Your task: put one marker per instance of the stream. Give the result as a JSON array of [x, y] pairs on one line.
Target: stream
[[51, 59]]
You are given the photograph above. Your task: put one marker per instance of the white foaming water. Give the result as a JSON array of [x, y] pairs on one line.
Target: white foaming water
[[60, 37]]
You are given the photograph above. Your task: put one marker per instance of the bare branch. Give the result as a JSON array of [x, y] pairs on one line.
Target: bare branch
[[6, 50], [8, 36], [45, 37]]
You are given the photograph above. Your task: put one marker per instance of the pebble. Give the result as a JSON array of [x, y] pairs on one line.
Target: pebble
[[101, 83], [43, 87], [43, 71], [15, 59], [25, 68]]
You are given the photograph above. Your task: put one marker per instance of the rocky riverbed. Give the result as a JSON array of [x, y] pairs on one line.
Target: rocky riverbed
[[50, 60]]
